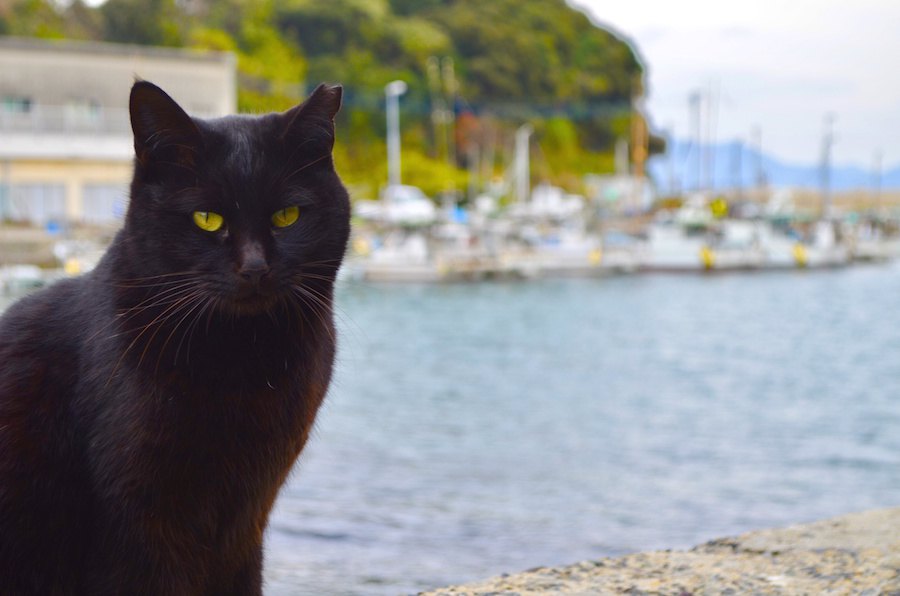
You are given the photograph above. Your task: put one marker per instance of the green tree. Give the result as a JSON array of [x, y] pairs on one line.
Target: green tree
[[33, 18], [271, 69], [538, 61], [145, 22]]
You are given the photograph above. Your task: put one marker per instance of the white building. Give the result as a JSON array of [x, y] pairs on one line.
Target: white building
[[65, 139]]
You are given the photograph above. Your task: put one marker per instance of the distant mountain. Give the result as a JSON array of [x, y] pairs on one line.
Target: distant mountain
[[736, 162]]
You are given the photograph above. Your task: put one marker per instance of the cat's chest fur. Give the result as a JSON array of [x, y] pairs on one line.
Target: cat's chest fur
[[237, 402]]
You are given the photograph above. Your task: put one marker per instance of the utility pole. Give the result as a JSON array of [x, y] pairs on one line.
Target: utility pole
[[433, 71], [694, 104], [522, 170], [827, 142], [450, 88], [759, 176], [737, 151], [712, 120], [670, 162], [876, 181]]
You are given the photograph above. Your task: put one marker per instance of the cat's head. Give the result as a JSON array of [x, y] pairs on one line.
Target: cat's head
[[245, 210]]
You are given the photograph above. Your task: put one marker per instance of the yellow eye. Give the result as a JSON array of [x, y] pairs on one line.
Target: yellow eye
[[285, 217], [208, 221]]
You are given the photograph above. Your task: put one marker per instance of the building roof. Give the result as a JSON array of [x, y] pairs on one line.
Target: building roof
[[69, 46]]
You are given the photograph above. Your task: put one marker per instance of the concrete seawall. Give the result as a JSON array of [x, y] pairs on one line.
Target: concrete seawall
[[852, 554]]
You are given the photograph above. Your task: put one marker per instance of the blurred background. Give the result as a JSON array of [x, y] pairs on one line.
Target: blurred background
[[622, 275]]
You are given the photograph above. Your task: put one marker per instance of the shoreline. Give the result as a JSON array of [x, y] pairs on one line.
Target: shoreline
[[858, 553]]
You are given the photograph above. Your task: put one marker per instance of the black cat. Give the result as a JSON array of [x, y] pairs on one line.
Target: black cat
[[150, 410]]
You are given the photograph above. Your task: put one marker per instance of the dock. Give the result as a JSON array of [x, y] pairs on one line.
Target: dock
[[857, 553]]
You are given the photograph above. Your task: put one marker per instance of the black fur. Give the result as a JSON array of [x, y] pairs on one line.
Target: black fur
[[151, 410]]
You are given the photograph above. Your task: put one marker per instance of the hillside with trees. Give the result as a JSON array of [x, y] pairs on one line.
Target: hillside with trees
[[476, 71]]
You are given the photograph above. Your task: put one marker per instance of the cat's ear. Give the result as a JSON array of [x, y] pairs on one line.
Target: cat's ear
[[163, 132], [312, 122]]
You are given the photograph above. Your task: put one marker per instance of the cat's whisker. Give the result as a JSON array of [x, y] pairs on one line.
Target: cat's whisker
[[335, 263], [307, 165], [199, 300], [156, 277], [283, 177], [218, 301], [322, 298], [172, 310], [317, 306], [155, 284], [164, 315], [303, 275], [159, 297], [189, 332], [125, 315], [316, 276], [175, 311]]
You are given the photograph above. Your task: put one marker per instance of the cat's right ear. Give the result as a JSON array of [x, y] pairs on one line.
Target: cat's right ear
[[311, 124], [163, 132]]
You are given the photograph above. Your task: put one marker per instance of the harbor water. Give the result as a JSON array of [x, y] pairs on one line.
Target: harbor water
[[477, 429], [474, 430]]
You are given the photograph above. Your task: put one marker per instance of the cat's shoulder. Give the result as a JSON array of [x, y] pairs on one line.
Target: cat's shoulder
[[49, 312]]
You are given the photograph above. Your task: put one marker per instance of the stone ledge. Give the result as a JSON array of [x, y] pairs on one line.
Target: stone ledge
[[852, 554]]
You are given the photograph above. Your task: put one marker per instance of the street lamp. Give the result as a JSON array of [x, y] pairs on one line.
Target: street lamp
[[521, 163], [392, 92]]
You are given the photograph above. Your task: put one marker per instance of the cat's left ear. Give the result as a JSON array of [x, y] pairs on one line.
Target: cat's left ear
[[312, 122], [163, 132]]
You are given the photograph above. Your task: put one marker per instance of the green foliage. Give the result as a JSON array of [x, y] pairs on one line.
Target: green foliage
[[271, 69], [408, 7], [433, 176], [82, 21], [538, 61], [541, 49], [33, 18], [561, 137], [146, 22]]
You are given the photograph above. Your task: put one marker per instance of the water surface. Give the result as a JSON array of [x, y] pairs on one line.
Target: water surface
[[479, 429]]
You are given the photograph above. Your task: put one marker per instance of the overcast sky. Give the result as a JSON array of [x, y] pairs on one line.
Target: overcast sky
[[779, 65]]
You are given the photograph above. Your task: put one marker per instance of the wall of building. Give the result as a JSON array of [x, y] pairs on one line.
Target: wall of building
[[82, 75], [45, 191]]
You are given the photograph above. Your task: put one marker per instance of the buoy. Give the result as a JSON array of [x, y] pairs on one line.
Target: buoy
[[719, 208], [72, 266], [362, 247], [800, 256]]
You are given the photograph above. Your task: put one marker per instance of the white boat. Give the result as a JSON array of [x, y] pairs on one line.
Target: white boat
[[732, 244], [19, 279], [400, 205]]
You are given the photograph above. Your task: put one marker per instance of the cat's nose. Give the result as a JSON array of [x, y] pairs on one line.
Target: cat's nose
[[254, 272], [253, 266]]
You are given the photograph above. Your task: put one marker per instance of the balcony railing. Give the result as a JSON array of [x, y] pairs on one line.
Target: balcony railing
[[80, 120]]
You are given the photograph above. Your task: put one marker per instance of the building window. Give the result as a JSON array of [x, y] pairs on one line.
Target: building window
[[104, 203], [12, 104], [82, 113], [39, 204]]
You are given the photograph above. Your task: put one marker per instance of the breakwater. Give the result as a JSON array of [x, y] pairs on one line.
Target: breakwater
[[852, 554]]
